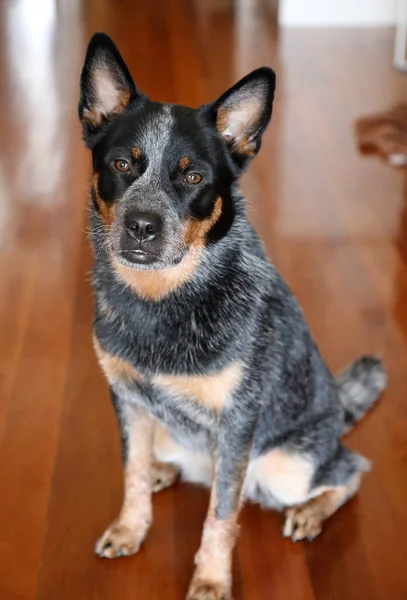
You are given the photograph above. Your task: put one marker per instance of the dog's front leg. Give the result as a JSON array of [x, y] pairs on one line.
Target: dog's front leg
[[213, 574], [127, 532]]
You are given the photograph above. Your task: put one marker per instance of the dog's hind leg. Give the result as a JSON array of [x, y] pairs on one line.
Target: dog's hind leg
[[305, 520], [335, 483], [308, 494]]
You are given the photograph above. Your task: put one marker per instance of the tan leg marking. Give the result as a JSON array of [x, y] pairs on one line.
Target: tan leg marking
[[127, 532], [115, 369], [211, 390], [287, 476], [212, 579], [305, 521]]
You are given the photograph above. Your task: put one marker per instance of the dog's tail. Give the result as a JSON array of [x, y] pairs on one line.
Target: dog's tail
[[360, 385]]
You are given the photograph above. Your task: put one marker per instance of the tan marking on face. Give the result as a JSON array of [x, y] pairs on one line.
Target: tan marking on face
[[128, 531], [287, 476], [197, 229], [115, 368], [136, 153], [159, 283], [107, 211], [184, 162], [213, 391]]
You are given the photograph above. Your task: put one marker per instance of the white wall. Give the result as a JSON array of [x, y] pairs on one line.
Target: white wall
[[337, 13]]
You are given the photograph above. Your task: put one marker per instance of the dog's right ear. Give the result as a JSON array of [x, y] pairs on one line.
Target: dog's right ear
[[107, 88]]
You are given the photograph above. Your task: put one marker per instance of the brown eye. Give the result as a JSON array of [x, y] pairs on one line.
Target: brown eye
[[193, 178], [122, 165]]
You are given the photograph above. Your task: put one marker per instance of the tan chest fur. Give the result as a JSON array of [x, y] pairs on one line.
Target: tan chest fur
[[113, 367], [213, 391]]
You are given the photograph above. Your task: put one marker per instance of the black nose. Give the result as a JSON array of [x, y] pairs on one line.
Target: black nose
[[143, 226]]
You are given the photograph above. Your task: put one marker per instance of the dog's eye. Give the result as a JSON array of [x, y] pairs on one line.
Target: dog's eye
[[193, 178], [122, 165]]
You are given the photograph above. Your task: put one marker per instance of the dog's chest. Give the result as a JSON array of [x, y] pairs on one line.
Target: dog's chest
[[207, 392], [179, 335], [177, 341]]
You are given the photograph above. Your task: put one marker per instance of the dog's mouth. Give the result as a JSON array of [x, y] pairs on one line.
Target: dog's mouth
[[141, 259], [155, 254], [137, 257]]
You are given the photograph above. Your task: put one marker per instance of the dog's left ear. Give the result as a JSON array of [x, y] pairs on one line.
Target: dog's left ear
[[242, 113], [107, 88]]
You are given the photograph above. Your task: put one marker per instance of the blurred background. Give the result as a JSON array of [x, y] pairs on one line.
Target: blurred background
[[333, 220]]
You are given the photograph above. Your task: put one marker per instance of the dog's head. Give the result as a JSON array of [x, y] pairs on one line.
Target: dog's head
[[163, 173]]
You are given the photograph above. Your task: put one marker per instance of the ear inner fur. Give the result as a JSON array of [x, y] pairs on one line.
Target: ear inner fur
[[243, 112], [107, 87], [242, 143], [95, 117]]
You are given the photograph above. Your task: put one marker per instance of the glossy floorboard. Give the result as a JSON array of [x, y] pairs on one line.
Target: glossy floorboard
[[335, 224]]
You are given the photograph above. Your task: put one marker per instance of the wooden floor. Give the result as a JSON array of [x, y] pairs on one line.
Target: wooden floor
[[335, 224]]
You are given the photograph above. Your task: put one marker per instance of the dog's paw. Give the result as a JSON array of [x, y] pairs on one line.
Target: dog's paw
[[121, 540], [303, 522], [163, 476], [203, 589]]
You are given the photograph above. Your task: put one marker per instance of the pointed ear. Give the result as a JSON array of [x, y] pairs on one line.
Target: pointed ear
[[244, 111], [107, 87]]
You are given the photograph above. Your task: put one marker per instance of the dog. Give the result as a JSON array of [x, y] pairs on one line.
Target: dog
[[213, 373]]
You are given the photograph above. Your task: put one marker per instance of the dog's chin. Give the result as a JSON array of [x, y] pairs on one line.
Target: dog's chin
[[146, 261]]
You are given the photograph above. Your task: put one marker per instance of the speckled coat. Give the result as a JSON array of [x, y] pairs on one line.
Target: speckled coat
[[213, 372]]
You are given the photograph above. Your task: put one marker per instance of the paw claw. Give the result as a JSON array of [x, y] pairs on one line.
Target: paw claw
[[302, 522], [120, 540], [163, 476], [208, 590]]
